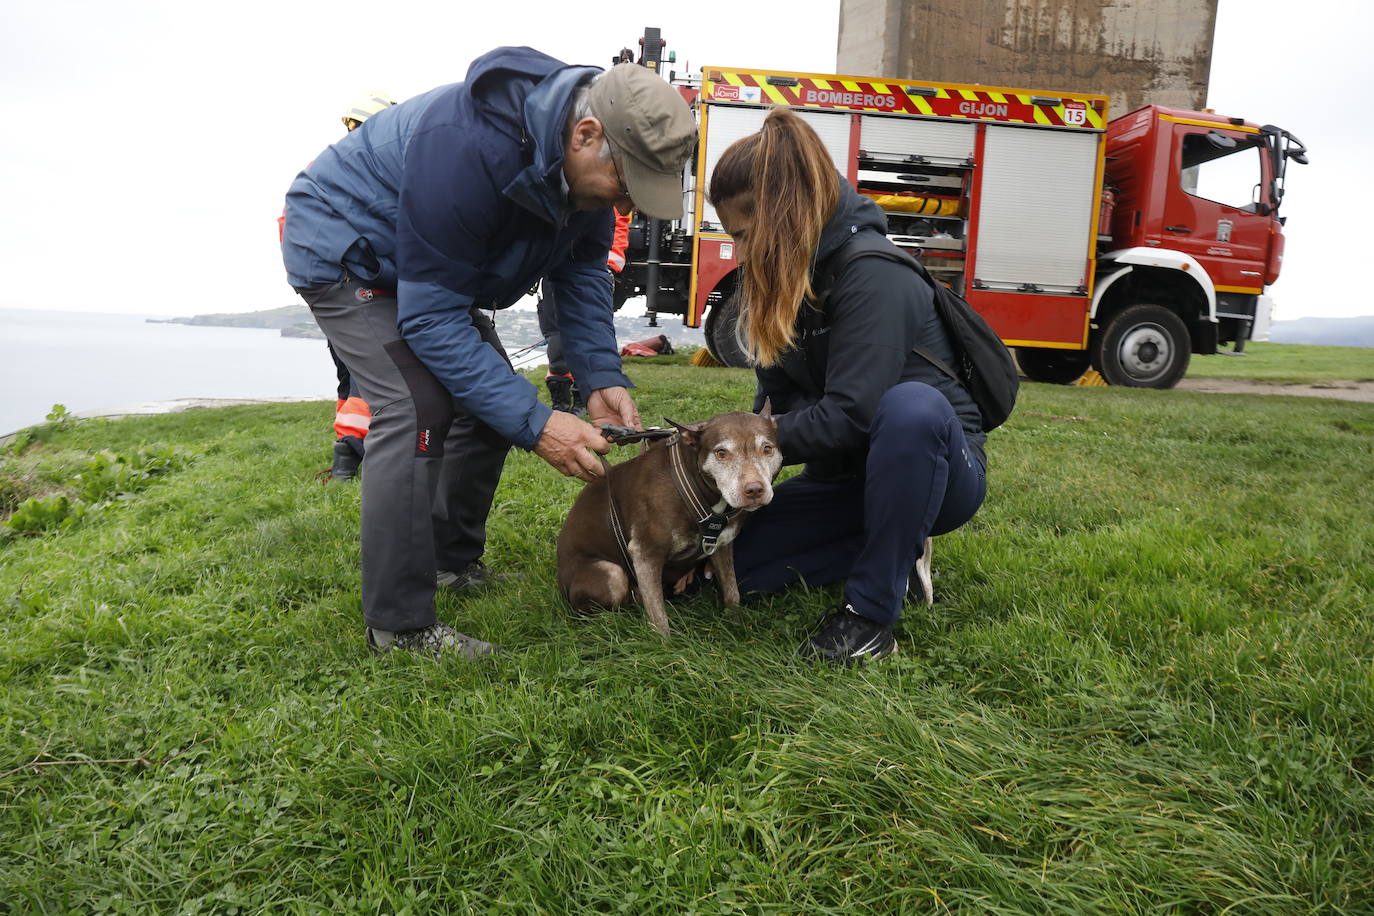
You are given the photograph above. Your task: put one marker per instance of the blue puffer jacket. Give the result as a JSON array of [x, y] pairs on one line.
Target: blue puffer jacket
[[456, 198]]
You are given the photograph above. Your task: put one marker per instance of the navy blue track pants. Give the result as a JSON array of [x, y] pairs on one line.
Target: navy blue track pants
[[920, 479]]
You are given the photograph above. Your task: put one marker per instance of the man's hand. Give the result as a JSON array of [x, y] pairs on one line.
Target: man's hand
[[567, 444], [613, 406]]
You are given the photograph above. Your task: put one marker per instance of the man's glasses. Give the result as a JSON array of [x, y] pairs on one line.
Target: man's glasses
[[619, 175]]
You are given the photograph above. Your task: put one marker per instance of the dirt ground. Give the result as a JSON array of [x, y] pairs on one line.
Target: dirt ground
[[1362, 390]]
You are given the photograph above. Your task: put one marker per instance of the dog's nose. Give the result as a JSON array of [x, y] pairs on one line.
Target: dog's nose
[[753, 490]]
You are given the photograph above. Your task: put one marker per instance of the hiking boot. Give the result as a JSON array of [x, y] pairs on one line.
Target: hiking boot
[[346, 462], [470, 578], [846, 638], [920, 586], [560, 392], [564, 395], [434, 640]]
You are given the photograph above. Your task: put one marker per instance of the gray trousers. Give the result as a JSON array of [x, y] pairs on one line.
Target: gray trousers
[[432, 467]]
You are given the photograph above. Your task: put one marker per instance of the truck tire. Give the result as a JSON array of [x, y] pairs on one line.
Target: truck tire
[[721, 319], [1054, 367], [1143, 346]]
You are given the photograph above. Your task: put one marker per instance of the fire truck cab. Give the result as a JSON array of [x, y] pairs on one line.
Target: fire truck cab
[[1192, 237]]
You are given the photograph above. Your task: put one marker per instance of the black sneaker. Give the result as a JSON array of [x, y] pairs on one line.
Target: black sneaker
[[473, 577], [846, 638]]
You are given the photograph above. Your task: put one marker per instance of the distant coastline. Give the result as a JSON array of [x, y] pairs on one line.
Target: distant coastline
[[518, 329], [1330, 332], [290, 320]]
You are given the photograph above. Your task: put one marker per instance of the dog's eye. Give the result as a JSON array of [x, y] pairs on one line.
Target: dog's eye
[[767, 448], [721, 452]]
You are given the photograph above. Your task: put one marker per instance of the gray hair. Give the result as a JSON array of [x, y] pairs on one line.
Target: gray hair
[[582, 108]]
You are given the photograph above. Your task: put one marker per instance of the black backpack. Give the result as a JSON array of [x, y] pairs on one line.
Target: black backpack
[[985, 367]]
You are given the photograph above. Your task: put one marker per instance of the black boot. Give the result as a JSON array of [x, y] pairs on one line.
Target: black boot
[[346, 461], [560, 392]]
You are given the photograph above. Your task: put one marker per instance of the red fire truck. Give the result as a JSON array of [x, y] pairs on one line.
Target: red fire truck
[[1125, 246]]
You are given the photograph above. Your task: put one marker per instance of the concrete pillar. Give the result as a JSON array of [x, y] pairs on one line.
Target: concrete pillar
[[1138, 51]]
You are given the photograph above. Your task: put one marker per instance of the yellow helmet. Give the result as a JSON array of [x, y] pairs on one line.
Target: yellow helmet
[[365, 106]]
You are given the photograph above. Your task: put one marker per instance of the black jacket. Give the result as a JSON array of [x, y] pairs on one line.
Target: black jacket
[[846, 356]]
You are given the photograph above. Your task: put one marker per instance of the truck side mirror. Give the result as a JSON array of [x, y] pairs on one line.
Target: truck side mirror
[[1221, 141]]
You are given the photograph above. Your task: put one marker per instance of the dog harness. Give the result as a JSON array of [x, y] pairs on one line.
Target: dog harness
[[616, 527], [710, 521]]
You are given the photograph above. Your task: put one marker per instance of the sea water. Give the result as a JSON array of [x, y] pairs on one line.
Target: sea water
[[90, 361]]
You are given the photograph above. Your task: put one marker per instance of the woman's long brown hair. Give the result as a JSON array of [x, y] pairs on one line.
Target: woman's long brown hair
[[786, 178]]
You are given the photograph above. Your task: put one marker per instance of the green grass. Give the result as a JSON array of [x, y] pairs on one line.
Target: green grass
[[1280, 363], [1147, 686]]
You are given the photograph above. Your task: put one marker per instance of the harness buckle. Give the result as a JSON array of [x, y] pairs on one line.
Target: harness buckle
[[710, 529]]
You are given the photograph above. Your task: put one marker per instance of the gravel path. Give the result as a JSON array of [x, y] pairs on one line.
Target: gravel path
[[1361, 390]]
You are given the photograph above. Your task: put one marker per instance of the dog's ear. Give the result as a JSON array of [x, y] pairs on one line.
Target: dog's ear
[[688, 432], [767, 411]]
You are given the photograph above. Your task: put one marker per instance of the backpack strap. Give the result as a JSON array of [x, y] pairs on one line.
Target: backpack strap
[[859, 246], [985, 368], [937, 362]]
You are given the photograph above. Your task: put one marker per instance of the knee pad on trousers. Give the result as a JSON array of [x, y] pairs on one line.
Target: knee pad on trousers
[[432, 403]]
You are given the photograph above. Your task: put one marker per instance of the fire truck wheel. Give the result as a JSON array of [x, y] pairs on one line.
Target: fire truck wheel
[[721, 319], [1054, 367], [1145, 346]]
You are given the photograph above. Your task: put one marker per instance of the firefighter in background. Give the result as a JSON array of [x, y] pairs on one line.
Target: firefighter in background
[[563, 391], [351, 413], [364, 107]]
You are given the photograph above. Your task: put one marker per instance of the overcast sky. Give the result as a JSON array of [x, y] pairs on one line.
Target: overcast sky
[[148, 143]]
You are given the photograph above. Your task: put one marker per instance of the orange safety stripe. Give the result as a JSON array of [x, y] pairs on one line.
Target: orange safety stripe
[[1196, 122], [352, 417], [619, 242], [1073, 110]]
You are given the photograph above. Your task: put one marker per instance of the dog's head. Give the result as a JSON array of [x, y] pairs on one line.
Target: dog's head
[[738, 453]]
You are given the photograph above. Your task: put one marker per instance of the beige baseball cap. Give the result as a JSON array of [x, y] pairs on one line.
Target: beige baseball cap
[[651, 128]]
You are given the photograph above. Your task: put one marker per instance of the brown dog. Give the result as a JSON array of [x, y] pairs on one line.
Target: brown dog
[[656, 517]]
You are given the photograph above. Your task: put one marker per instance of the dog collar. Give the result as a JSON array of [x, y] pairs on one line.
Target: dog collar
[[711, 521]]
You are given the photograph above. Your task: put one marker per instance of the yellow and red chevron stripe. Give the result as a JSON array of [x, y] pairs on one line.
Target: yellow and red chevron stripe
[[937, 100]]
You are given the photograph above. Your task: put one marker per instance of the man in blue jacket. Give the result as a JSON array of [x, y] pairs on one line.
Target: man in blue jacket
[[402, 232]]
